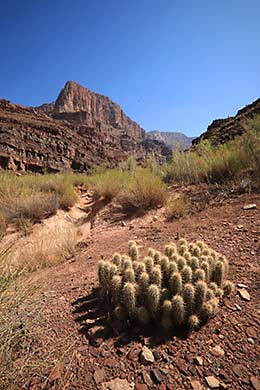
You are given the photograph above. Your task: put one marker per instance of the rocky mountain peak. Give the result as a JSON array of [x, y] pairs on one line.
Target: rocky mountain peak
[[78, 103]]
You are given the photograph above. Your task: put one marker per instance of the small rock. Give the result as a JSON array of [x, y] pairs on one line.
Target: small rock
[[251, 332], [157, 375], [255, 382], [242, 285], [56, 372], [99, 375], [239, 370], [196, 385], [117, 384], [146, 356], [244, 294], [147, 379], [132, 355], [199, 360], [250, 206], [155, 218], [217, 351], [141, 386], [162, 386], [212, 382]]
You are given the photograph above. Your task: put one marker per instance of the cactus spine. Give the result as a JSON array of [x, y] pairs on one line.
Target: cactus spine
[[186, 274], [228, 287], [117, 259], [188, 298], [149, 263], [167, 308], [129, 298], [178, 310], [175, 283], [200, 295], [156, 277], [133, 252], [153, 299], [219, 273]]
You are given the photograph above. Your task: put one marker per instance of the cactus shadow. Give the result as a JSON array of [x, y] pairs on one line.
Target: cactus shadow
[[96, 324]]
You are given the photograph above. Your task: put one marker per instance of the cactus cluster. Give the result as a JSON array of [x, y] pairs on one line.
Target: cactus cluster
[[182, 287]]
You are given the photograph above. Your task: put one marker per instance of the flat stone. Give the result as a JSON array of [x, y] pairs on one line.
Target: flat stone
[[244, 294], [255, 382], [147, 379], [157, 375], [250, 206], [217, 351], [146, 356], [199, 360], [212, 382], [99, 375], [162, 386], [251, 332], [196, 385], [141, 386], [117, 384], [239, 370]]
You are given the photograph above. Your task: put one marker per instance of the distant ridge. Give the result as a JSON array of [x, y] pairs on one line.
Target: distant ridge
[[171, 139], [223, 130]]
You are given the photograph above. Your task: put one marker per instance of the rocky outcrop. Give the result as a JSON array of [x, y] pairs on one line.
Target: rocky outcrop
[[171, 139], [223, 130], [79, 130], [79, 104], [30, 140]]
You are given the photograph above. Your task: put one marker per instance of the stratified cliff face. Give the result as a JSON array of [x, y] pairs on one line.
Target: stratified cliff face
[[79, 104], [223, 130], [79, 130], [171, 138], [30, 140]]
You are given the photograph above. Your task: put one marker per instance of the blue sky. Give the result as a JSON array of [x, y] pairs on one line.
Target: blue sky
[[173, 65]]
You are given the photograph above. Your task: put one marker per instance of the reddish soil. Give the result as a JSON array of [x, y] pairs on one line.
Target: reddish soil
[[73, 346]]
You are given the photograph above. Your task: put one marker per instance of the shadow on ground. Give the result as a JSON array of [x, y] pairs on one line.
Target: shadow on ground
[[97, 325]]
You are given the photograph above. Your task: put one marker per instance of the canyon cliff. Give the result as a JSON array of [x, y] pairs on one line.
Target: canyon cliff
[[80, 129]]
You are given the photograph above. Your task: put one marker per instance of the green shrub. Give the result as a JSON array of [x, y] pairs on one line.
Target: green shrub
[[109, 183], [152, 291], [210, 163], [143, 191]]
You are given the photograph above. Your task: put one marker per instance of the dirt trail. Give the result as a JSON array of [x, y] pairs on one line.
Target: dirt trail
[[71, 346]]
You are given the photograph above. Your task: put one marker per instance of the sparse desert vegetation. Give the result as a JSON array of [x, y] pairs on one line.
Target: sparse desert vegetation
[[220, 163], [178, 288], [182, 287]]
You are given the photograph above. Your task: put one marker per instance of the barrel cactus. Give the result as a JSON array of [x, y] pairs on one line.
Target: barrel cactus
[[183, 286]]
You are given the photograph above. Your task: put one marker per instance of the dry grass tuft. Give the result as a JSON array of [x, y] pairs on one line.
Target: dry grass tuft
[[176, 207], [49, 246], [3, 226], [32, 209], [145, 191]]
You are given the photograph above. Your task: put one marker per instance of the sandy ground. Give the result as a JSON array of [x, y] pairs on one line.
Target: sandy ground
[[71, 345]]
